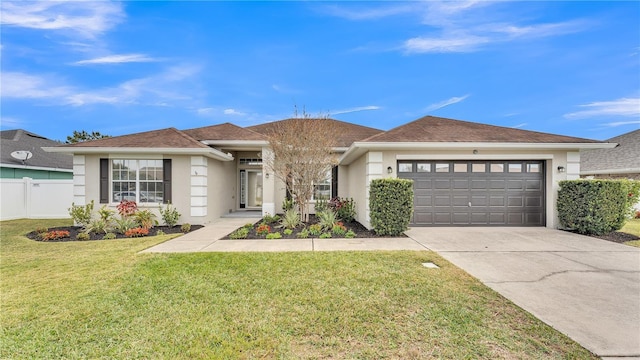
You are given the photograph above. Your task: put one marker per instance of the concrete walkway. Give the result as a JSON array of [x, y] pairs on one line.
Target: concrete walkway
[[208, 239], [587, 288]]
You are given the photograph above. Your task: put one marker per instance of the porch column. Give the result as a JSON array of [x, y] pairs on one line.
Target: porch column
[[268, 184], [198, 186], [79, 171], [373, 171]]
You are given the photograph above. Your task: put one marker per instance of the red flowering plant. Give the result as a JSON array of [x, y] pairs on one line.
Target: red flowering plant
[[127, 208], [54, 235], [137, 232], [263, 229]]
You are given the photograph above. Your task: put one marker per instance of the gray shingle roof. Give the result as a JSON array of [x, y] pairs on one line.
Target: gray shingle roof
[[15, 140], [623, 157]]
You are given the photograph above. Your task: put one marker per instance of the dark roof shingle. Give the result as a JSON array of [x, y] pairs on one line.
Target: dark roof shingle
[[348, 132], [625, 156], [16, 140], [164, 138], [226, 131], [437, 129]]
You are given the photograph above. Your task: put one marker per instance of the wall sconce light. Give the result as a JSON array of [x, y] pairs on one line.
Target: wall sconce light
[[561, 169], [266, 175], [389, 170]]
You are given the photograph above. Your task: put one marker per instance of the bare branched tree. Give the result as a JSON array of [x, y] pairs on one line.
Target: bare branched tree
[[302, 155]]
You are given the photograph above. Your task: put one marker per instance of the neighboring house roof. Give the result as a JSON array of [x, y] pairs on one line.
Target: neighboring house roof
[[437, 129], [169, 141], [623, 159], [226, 131], [16, 140], [348, 132]]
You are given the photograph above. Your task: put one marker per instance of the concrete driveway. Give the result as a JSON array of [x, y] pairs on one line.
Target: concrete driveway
[[589, 289]]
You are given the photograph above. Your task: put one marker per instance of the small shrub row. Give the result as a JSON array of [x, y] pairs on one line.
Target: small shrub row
[[131, 218]]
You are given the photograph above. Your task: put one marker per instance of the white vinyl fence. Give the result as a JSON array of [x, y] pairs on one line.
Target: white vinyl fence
[[27, 198]]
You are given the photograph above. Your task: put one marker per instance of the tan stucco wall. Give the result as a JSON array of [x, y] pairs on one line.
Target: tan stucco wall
[[222, 188], [356, 187], [357, 171]]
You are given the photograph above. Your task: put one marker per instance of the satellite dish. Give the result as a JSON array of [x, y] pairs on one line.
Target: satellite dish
[[22, 155]]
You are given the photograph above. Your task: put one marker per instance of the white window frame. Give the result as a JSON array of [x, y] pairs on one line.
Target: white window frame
[[137, 180]]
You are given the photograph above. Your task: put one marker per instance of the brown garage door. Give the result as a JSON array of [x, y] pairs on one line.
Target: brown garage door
[[476, 193]]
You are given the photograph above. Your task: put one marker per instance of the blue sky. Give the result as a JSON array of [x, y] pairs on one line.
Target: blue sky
[[569, 68]]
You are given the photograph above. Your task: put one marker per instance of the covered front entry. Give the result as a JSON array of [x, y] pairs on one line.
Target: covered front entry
[[251, 189], [476, 193]]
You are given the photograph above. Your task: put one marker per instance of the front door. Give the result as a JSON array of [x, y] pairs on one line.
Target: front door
[[250, 189]]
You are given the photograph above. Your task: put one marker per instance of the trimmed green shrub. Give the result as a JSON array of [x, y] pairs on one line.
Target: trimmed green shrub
[[109, 236], [185, 228], [303, 234], [83, 237], [596, 206], [391, 205], [350, 234], [275, 235]]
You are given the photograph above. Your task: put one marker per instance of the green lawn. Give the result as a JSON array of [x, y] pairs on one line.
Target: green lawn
[[101, 299], [632, 227]]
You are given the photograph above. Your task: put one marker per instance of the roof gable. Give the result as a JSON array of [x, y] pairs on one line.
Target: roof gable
[[437, 129], [226, 131], [164, 138], [348, 132]]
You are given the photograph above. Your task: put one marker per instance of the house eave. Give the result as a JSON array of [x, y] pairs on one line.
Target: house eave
[[611, 171], [210, 153], [29, 167], [359, 148]]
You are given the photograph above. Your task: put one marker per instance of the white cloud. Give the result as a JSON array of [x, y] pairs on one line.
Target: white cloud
[[205, 111], [20, 85], [117, 59], [456, 26], [233, 112], [368, 13], [622, 123], [519, 126], [446, 44], [450, 101], [161, 89], [87, 19], [619, 107], [355, 109]]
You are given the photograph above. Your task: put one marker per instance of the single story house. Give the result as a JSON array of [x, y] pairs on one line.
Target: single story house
[[41, 164], [464, 173]]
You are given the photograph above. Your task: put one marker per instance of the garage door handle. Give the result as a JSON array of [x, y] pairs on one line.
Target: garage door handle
[[469, 203]]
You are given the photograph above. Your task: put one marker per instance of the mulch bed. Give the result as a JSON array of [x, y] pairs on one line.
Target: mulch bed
[[75, 230], [356, 227], [617, 236]]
